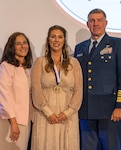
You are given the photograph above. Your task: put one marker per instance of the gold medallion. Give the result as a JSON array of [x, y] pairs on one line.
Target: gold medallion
[[57, 89]]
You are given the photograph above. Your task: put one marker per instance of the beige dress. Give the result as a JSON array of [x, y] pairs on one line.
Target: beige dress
[[60, 136]]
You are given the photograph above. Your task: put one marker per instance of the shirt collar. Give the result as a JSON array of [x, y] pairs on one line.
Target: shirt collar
[[98, 40]]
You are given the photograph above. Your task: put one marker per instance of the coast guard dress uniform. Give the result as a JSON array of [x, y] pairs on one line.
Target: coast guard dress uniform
[[101, 91]]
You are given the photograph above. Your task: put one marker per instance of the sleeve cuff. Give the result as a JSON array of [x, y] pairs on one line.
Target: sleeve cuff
[[118, 101], [118, 105], [47, 111], [119, 96], [68, 112]]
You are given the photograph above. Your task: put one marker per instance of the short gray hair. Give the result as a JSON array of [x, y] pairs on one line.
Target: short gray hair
[[97, 10]]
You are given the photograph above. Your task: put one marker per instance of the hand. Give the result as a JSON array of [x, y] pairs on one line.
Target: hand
[[62, 117], [15, 132], [52, 119], [116, 115]]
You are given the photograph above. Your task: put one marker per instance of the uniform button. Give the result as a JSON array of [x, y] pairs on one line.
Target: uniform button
[[89, 71], [89, 87], [89, 62], [89, 79]]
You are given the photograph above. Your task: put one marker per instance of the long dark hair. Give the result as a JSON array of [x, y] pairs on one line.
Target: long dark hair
[[9, 51], [66, 61]]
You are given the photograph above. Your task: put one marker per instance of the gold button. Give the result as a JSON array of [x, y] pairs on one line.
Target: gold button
[[106, 61], [89, 71], [89, 63], [89, 79], [89, 87]]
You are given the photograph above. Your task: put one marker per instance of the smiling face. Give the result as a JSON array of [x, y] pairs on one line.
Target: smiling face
[[97, 24], [56, 40], [21, 47]]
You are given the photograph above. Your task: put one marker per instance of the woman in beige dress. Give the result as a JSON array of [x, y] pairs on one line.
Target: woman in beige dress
[[15, 93], [57, 95]]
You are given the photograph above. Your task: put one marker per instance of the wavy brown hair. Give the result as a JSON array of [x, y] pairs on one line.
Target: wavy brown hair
[[66, 65], [9, 52]]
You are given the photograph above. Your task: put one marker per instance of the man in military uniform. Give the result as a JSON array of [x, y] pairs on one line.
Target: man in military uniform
[[100, 113]]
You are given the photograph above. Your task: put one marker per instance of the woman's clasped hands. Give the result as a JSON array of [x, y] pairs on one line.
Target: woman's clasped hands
[[53, 119]]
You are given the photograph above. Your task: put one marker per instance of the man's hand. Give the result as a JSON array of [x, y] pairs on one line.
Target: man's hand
[[116, 115]]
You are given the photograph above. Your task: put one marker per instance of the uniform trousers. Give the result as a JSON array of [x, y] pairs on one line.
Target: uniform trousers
[[100, 134]]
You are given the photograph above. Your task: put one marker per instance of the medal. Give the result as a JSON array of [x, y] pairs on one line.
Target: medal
[[57, 89]]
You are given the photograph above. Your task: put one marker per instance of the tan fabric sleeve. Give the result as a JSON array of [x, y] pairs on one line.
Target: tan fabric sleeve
[[37, 94], [76, 100]]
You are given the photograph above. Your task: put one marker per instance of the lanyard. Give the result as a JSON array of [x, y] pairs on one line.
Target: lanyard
[[57, 74]]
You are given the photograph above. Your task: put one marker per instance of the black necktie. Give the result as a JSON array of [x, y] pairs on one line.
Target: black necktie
[[93, 48]]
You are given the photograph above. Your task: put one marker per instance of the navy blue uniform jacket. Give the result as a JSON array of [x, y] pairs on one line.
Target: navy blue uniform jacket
[[102, 77]]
